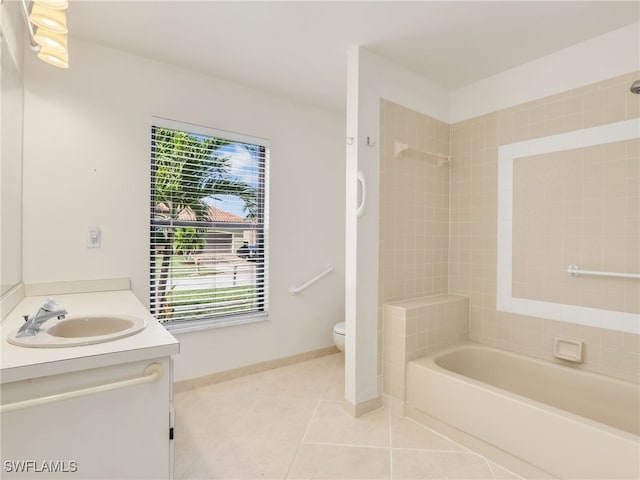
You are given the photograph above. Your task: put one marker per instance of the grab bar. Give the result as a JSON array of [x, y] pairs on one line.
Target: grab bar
[[296, 290], [574, 271], [363, 199], [152, 373]]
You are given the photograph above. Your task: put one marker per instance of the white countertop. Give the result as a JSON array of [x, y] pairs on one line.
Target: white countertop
[[21, 363]]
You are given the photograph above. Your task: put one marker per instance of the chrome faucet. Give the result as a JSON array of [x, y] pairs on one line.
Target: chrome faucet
[[47, 311]]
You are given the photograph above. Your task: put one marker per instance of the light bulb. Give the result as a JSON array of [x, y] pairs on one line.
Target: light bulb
[[55, 58], [55, 42], [54, 20]]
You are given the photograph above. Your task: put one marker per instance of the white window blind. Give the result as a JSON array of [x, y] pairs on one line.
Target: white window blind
[[209, 218]]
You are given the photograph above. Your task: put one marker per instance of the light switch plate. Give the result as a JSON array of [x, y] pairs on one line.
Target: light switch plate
[[94, 237]]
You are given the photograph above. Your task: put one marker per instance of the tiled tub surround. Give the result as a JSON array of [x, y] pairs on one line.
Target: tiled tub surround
[[577, 195], [474, 217], [415, 327], [596, 194], [414, 206], [414, 209], [570, 423]]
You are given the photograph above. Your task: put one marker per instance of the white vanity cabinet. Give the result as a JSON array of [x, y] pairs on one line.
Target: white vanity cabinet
[[121, 432], [118, 434]]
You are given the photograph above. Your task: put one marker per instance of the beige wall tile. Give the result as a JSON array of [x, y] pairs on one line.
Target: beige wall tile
[[580, 207], [414, 212], [588, 227], [430, 323], [438, 227]]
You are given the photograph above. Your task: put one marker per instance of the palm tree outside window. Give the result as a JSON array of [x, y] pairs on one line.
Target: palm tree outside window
[[208, 226]]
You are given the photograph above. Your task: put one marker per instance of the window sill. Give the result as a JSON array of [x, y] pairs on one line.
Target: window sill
[[195, 326]]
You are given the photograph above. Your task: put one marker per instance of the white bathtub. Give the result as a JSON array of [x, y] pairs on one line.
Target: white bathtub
[[570, 423]]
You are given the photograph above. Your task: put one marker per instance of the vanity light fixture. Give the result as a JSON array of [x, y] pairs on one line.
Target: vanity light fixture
[[47, 28]]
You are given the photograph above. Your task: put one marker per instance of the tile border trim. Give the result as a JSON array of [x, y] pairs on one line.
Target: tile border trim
[[593, 317]]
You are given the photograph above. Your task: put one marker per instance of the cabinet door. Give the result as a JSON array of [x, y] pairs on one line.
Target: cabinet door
[[120, 434]]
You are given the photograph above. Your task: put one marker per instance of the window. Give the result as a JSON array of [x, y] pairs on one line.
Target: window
[[208, 256]]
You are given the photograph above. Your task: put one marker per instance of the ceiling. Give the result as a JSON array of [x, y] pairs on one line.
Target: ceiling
[[298, 49]]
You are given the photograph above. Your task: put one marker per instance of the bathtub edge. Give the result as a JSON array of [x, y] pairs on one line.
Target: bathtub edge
[[490, 452]]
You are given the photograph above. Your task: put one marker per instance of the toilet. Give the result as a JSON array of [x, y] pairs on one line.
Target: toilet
[[338, 335]]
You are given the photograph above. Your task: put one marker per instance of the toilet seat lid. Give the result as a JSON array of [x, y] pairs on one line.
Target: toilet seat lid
[[339, 328]]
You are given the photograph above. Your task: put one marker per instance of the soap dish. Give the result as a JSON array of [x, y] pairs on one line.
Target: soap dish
[[566, 349]]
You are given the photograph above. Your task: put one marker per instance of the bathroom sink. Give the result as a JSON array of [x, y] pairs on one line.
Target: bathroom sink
[[90, 326], [81, 330]]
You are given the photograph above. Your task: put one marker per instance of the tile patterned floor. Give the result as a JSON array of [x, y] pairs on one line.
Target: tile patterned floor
[[290, 423]]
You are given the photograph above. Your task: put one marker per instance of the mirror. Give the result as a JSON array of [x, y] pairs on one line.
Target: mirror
[[11, 118]]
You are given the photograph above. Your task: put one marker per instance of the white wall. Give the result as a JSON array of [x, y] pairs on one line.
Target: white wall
[[13, 30], [87, 161], [606, 56]]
